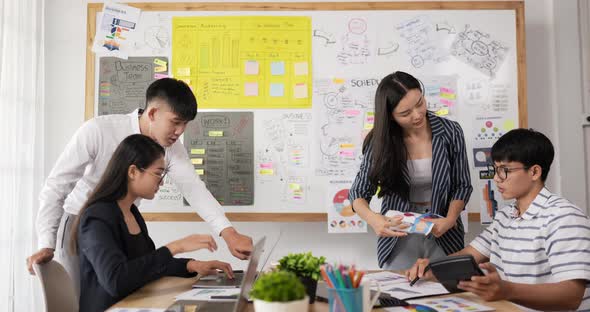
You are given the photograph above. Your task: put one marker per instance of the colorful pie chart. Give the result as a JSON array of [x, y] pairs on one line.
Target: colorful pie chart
[[342, 204]]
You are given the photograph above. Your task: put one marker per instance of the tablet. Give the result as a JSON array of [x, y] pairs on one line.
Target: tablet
[[452, 269]]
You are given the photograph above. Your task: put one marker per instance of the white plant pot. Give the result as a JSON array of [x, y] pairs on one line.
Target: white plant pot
[[291, 306]]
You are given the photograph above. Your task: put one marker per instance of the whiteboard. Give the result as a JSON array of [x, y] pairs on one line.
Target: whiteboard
[[467, 60]]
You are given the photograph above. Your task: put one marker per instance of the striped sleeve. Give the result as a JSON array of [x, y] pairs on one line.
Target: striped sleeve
[[567, 244], [362, 187], [460, 178], [483, 242]]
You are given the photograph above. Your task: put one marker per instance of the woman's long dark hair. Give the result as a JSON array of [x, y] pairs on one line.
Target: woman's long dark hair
[[136, 149], [389, 153]]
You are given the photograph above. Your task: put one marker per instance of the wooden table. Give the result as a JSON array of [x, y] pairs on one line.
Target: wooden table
[[161, 293]]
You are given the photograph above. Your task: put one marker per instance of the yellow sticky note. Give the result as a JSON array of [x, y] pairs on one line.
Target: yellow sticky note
[[508, 125], [450, 96], [200, 171], [160, 62], [215, 133], [184, 71], [301, 69], [197, 161], [369, 126], [294, 186], [346, 145], [338, 80], [198, 151], [267, 171], [159, 69], [442, 112]]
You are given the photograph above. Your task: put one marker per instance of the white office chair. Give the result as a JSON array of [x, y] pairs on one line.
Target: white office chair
[[58, 288]]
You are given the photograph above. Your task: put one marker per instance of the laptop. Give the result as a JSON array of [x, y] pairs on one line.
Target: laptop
[[222, 281], [238, 305]]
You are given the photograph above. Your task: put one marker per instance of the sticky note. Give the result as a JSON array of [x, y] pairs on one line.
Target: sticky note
[[346, 145], [183, 71], [300, 91], [446, 90], [160, 76], [266, 171], [197, 161], [338, 80], [251, 89], [446, 102], [277, 68], [442, 112], [215, 133], [160, 62], [347, 153], [187, 81], [508, 125], [277, 89], [368, 126], [450, 96], [159, 69], [266, 165], [198, 151], [294, 186], [300, 69], [200, 171], [251, 68], [352, 112]]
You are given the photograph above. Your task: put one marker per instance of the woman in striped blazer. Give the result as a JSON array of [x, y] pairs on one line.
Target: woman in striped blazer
[[419, 162]]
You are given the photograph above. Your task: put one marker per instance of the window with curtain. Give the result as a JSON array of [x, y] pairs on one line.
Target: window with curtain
[[21, 156]]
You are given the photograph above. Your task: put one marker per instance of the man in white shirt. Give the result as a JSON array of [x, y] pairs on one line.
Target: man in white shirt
[[170, 106]]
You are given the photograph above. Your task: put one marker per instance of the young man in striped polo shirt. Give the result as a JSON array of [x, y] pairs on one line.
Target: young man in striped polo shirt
[[537, 250]]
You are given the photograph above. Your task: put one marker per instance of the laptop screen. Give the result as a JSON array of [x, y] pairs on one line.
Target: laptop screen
[[249, 276]]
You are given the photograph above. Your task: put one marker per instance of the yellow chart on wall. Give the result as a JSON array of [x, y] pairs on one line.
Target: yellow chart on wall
[[244, 61]]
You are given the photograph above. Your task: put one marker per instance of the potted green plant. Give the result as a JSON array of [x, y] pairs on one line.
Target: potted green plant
[[279, 291], [306, 267]]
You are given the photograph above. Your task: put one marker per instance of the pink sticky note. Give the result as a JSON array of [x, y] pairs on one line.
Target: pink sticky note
[[160, 76], [446, 90], [300, 91], [251, 89], [352, 112], [266, 165], [446, 102], [301, 69], [251, 68], [347, 153]]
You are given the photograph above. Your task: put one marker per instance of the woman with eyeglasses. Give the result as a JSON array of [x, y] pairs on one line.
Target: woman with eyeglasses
[[117, 256], [419, 162]]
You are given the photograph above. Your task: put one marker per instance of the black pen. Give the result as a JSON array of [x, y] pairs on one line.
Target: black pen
[[417, 277]]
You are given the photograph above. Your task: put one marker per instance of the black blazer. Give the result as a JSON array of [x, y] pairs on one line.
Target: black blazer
[[107, 275]]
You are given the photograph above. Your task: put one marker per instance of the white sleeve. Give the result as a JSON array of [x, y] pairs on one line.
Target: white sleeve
[[183, 175], [69, 168]]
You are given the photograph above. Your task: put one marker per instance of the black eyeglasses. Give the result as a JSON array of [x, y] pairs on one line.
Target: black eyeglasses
[[502, 171]]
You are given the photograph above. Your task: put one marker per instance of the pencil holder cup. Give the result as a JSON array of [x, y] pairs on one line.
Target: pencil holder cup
[[345, 299]]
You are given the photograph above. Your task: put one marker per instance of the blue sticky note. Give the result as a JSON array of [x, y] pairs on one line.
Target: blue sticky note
[[277, 89], [277, 68]]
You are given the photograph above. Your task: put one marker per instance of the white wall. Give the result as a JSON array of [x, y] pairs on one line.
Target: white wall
[[65, 57]]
